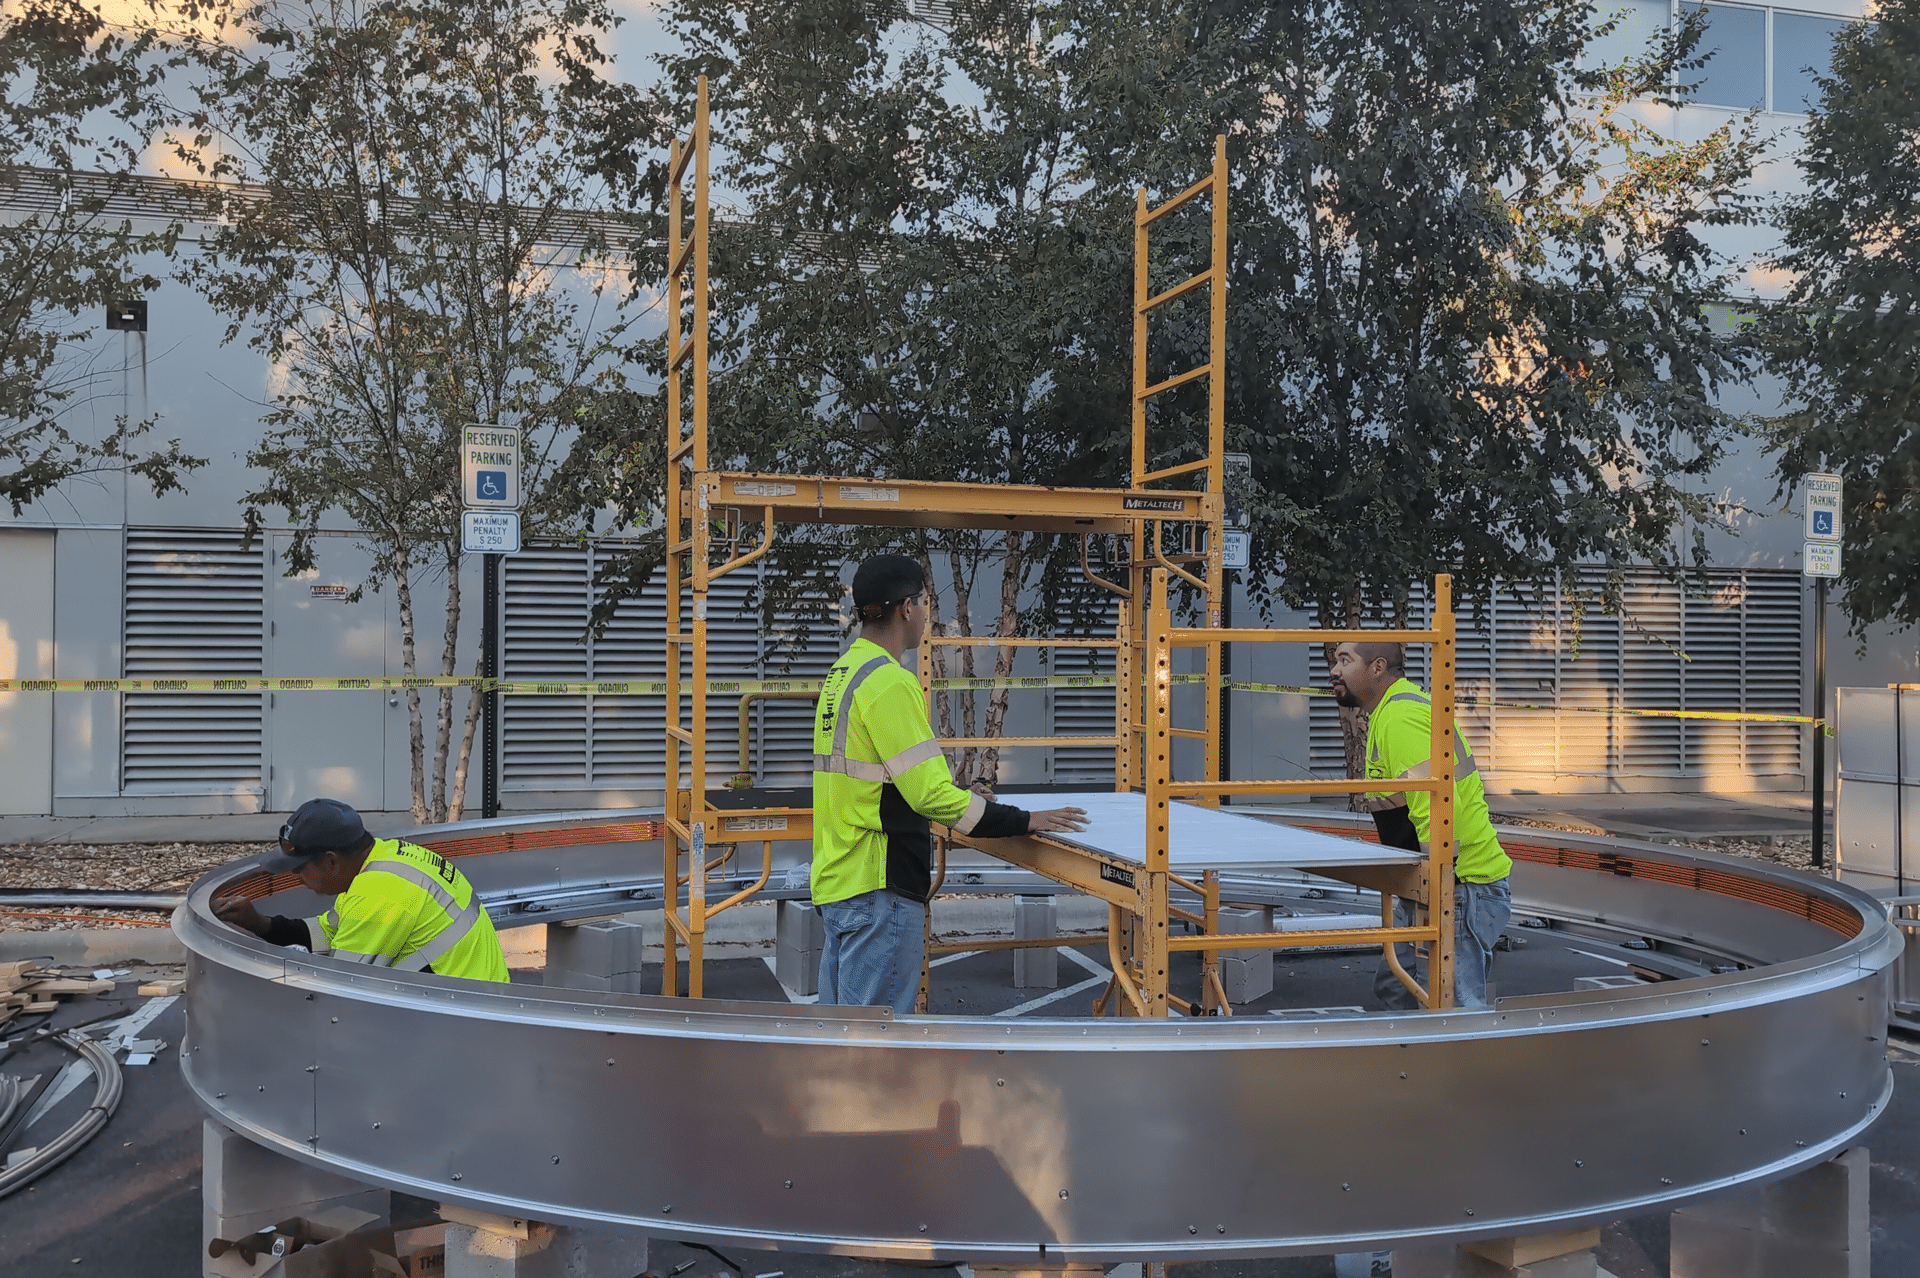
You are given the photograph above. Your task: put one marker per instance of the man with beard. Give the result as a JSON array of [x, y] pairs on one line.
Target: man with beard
[[1371, 676]]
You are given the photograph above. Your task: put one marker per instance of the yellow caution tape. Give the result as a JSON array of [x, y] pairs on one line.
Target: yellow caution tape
[[738, 687]]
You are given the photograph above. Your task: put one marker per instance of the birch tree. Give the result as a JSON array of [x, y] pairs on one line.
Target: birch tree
[[417, 237]]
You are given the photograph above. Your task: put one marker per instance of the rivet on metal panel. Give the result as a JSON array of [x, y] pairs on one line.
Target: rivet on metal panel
[[1799, 1144], [309, 998], [556, 1158], [456, 1175], [1403, 1073], [333, 1020], [665, 1208], [1219, 1229], [1469, 1211], [312, 1068], [1193, 1229], [609, 1060], [1843, 1095], [923, 1229], [376, 1127], [1001, 1082], [1347, 1185], [1705, 1042], [261, 1088], [1579, 1163], [1666, 1180], [219, 1095], [1063, 1193], [789, 1184], [1743, 1131]]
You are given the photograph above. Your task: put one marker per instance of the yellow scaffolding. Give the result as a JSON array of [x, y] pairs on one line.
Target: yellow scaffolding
[[707, 509]]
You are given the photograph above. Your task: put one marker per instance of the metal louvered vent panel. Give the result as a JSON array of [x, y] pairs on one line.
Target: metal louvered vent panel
[[618, 742], [195, 608], [1084, 712], [1733, 646]]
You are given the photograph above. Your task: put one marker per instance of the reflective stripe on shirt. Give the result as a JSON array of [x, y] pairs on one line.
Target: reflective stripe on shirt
[[838, 761]]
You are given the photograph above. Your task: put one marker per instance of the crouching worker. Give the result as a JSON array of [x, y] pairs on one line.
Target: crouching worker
[[396, 905], [878, 777]]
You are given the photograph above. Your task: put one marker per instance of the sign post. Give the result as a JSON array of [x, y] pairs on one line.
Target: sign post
[[1820, 560], [490, 527]]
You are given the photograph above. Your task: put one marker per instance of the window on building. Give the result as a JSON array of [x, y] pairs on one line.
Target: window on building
[[1736, 47], [1635, 24], [1802, 51], [1757, 59]]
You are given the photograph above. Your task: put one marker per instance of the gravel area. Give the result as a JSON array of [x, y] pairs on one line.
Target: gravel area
[[1794, 854], [121, 867]]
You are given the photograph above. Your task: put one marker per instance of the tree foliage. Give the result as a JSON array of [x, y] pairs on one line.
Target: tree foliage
[[405, 241], [1470, 290], [1847, 335], [81, 98]]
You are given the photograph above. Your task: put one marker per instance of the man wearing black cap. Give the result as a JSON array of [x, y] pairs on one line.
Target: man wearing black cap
[[396, 905], [879, 781]]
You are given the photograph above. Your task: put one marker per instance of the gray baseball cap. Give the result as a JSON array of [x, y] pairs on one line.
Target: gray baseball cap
[[317, 827]]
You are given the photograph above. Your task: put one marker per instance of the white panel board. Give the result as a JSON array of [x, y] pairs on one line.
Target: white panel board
[[1206, 838]]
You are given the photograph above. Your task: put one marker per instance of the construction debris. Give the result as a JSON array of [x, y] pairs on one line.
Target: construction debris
[[28, 989]]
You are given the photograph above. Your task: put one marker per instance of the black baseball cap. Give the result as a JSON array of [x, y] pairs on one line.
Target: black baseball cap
[[887, 579], [317, 827]]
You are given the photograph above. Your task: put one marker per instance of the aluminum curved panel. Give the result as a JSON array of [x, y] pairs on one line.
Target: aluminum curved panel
[[978, 1140]]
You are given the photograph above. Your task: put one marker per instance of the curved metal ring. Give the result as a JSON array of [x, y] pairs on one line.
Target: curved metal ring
[[1035, 1141]]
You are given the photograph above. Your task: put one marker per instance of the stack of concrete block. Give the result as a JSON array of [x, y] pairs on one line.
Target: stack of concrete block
[[603, 955], [1246, 975], [798, 937], [1037, 968]]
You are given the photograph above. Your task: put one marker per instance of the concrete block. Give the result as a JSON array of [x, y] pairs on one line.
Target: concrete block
[[605, 955], [1486, 1258], [798, 937], [478, 1247], [1246, 975], [245, 1187], [1810, 1225], [1035, 969]]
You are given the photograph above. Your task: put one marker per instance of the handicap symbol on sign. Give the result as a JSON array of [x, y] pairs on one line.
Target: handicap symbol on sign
[[1823, 523], [491, 484]]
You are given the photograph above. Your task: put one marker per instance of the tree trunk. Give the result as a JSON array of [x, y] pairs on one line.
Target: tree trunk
[[963, 772], [942, 707], [449, 657], [409, 666], [1012, 573], [476, 700]]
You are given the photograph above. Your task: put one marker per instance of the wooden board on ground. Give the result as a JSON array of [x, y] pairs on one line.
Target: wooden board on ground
[[163, 989]]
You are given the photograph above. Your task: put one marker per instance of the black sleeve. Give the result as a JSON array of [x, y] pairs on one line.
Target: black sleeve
[[282, 930], [1000, 821], [1396, 829]]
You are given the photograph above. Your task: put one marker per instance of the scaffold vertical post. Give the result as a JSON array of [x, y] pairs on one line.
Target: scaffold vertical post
[[687, 550], [1441, 830], [1151, 938], [1216, 459]]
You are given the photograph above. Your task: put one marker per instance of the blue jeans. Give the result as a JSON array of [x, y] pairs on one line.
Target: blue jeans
[[875, 942], [1480, 912]]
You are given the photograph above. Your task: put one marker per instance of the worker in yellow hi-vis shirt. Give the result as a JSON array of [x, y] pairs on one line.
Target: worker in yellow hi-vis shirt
[[1400, 746], [396, 905], [879, 781]]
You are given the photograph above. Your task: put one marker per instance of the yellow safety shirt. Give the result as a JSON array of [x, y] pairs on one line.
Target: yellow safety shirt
[[878, 776], [409, 909], [1400, 746]]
